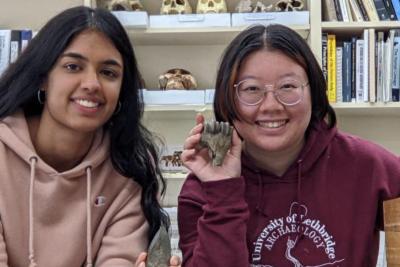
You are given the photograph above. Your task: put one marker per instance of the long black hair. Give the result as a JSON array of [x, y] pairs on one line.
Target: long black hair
[[273, 37], [133, 152]]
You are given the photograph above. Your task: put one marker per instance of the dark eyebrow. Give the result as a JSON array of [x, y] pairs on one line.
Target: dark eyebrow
[[81, 57]]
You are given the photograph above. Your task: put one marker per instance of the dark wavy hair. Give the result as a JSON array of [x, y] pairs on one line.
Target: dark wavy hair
[[133, 151], [273, 37]]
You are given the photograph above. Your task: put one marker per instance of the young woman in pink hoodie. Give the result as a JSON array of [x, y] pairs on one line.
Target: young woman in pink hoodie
[[293, 190], [78, 181]]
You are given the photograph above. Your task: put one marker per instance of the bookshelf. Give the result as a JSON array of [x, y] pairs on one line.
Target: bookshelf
[[199, 51]]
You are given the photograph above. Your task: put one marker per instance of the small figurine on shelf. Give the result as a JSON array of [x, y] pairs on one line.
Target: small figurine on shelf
[[121, 5], [211, 6], [289, 5], [177, 79], [172, 7]]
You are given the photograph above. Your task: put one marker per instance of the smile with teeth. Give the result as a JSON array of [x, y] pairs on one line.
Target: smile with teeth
[[272, 124], [86, 103]]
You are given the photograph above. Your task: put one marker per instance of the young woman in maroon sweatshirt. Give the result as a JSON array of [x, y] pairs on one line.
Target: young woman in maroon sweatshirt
[[292, 190]]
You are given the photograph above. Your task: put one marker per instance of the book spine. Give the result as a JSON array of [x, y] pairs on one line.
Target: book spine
[[15, 45], [328, 10], [324, 55], [339, 74], [381, 10], [360, 70], [362, 9], [379, 66], [338, 10], [371, 65], [366, 66], [331, 68], [355, 11], [390, 9], [346, 71], [396, 68], [345, 12], [396, 7], [5, 43], [353, 69], [26, 37], [371, 10]]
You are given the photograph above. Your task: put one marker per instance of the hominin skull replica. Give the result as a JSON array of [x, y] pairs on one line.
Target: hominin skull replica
[[122, 5], [177, 79], [289, 5], [211, 6], [172, 7]]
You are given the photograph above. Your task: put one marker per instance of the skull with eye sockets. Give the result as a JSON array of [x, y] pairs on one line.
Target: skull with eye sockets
[[171, 7]]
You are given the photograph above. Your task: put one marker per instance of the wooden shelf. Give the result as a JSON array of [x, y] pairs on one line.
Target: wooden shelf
[[193, 108], [367, 109], [174, 175], [348, 27], [193, 36]]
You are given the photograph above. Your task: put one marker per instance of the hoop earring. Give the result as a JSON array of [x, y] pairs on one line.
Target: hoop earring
[[41, 96], [119, 106]]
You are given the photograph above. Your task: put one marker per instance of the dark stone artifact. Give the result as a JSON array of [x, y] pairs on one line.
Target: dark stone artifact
[[159, 252], [217, 137]]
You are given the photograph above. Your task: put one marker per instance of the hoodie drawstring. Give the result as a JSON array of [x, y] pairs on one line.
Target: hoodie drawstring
[[89, 262], [32, 262], [298, 197]]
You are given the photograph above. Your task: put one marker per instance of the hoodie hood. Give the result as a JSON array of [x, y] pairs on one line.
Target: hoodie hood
[[317, 141], [14, 133]]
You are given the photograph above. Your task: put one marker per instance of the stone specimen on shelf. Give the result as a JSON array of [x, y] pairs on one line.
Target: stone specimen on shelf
[[289, 5], [177, 79], [159, 252], [172, 7], [244, 6], [211, 6], [217, 137]]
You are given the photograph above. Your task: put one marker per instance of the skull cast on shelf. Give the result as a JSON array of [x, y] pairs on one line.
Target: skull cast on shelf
[[289, 5], [211, 6], [122, 5], [260, 7], [177, 79], [244, 6], [170, 7]]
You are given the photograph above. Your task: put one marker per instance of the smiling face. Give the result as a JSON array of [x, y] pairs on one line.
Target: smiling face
[[271, 127], [83, 87]]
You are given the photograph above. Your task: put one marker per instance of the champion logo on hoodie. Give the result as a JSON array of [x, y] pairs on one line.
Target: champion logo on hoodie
[[100, 201], [295, 230]]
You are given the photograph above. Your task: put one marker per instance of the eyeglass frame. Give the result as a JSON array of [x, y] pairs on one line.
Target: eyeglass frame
[[274, 92]]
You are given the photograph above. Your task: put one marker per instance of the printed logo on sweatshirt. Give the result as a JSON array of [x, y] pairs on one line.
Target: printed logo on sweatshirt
[[285, 233], [100, 201]]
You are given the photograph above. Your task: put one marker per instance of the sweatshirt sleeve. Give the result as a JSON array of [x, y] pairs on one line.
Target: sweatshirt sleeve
[[3, 251], [212, 218], [126, 235]]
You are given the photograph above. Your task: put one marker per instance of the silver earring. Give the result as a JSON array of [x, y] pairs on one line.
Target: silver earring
[[41, 96], [119, 106]]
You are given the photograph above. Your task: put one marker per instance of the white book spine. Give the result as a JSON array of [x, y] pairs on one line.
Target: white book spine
[[366, 66], [355, 11], [345, 12], [359, 70], [379, 69], [339, 79], [5, 43], [396, 63]]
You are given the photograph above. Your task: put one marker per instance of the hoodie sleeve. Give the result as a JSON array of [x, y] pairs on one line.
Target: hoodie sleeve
[[126, 235], [3, 251], [212, 218]]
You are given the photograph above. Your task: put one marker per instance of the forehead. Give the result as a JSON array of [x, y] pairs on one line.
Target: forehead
[[93, 43], [270, 65]]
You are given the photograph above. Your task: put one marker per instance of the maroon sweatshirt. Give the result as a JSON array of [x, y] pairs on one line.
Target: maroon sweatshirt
[[326, 210]]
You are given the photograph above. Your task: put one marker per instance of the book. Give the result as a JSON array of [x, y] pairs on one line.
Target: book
[[371, 65], [388, 66], [396, 7], [5, 43], [170, 160], [331, 66], [338, 10], [396, 67], [363, 10], [390, 9], [339, 73], [371, 10], [360, 70], [328, 10], [346, 72], [355, 11], [365, 68], [15, 45], [353, 69], [345, 12], [348, 8], [381, 10], [26, 37], [379, 66], [324, 55]]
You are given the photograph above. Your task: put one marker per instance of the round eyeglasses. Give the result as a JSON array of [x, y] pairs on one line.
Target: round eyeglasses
[[288, 92]]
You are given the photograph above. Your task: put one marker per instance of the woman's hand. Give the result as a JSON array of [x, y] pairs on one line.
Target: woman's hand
[[141, 261], [197, 160]]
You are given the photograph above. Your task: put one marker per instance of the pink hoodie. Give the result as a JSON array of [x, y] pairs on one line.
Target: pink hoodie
[[90, 214]]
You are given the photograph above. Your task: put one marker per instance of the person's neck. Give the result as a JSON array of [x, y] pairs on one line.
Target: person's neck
[[275, 162], [61, 149]]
